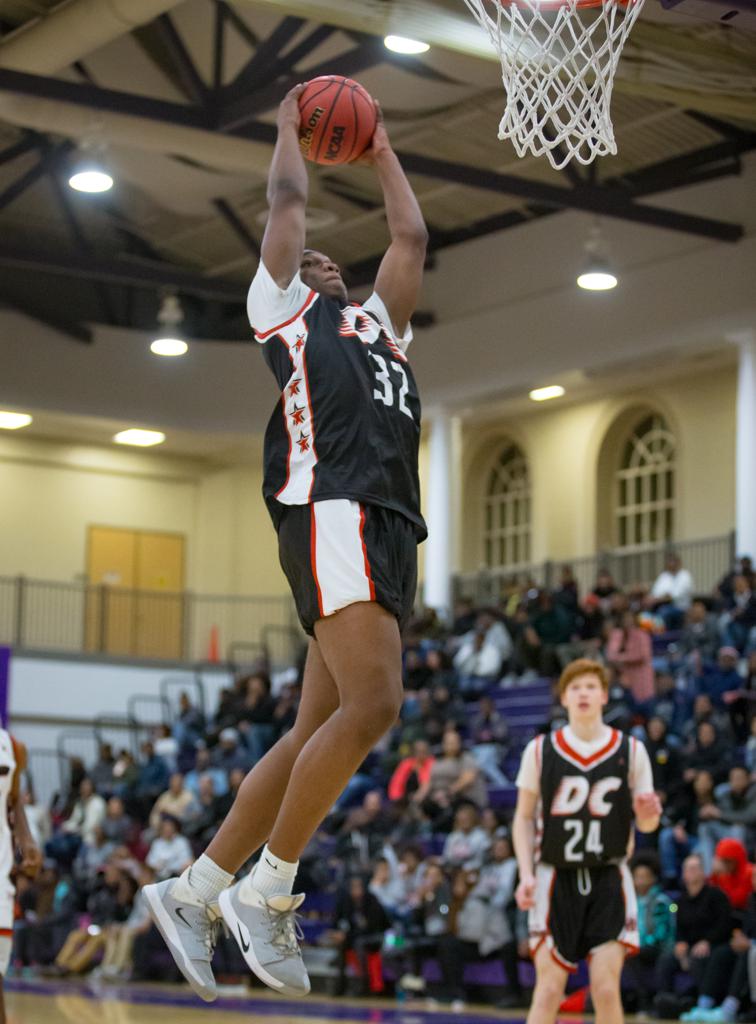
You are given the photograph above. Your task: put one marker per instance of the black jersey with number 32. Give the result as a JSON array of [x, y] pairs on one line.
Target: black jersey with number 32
[[587, 803], [348, 423]]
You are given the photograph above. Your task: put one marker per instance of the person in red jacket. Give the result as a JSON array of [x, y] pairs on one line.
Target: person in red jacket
[[412, 774], [732, 873]]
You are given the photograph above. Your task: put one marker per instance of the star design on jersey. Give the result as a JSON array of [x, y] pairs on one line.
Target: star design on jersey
[[303, 441], [297, 415], [299, 343], [294, 387]]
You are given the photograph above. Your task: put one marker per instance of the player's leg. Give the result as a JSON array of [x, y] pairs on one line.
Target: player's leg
[[548, 993], [179, 907], [606, 966], [5, 954]]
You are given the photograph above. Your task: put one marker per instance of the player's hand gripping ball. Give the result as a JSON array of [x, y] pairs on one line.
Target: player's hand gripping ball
[[337, 120]]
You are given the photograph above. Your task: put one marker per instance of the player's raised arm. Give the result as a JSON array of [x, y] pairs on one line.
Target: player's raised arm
[[31, 856], [284, 238], [401, 270], [523, 836]]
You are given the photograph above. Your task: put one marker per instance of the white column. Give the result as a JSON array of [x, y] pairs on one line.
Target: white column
[[745, 446], [438, 514]]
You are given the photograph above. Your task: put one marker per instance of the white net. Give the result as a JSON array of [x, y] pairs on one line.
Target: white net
[[558, 61]]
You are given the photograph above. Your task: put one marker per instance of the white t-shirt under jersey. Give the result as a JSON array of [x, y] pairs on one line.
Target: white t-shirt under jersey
[[640, 775]]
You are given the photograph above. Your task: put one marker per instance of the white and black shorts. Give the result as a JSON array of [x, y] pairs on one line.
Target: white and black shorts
[[339, 552], [579, 909]]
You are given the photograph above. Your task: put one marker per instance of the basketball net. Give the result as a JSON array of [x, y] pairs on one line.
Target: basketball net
[[558, 61]]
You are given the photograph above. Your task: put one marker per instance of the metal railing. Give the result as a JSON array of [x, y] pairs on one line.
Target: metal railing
[[75, 618], [707, 560]]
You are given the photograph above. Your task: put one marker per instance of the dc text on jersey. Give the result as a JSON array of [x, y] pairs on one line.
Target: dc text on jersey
[[586, 803], [348, 422]]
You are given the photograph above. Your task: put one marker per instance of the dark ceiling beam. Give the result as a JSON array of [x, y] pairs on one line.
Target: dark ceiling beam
[[730, 131], [24, 145], [590, 199], [75, 331], [191, 80], [121, 270], [303, 49], [46, 162], [255, 70], [249, 36], [666, 174], [239, 113], [342, 190], [237, 225], [219, 46]]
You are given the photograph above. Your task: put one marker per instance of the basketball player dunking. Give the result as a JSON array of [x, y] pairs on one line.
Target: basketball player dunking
[[581, 789], [14, 837], [341, 484]]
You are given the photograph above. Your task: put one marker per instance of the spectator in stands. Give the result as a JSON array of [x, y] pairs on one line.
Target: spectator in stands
[[721, 679], [455, 776], [229, 754], [37, 817], [92, 856], [547, 636], [101, 772], [430, 920], [673, 704], [204, 766], [189, 726], [628, 649], [415, 672], [700, 634], [363, 832], [117, 960], [110, 901], [741, 992], [467, 844], [442, 673], [680, 817], [87, 814], [740, 618], [359, 924], [117, 825], [170, 851], [285, 711], [489, 734], [151, 781], [709, 753], [656, 930], [483, 653], [732, 873], [223, 803], [743, 567], [492, 825], [388, 888], [704, 711], [604, 589], [731, 814], [664, 757], [566, 591], [177, 800], [412, 773], [464, 616], [204, 817], [166, 746], [48, 908], [702, 946], [590, 628], [255, 719], [672, 592], [125, 774]]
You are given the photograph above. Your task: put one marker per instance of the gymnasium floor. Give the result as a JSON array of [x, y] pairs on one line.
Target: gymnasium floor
[[36, 1002]]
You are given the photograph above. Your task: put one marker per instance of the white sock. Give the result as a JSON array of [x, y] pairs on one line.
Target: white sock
[[203, 880], [272, 876]]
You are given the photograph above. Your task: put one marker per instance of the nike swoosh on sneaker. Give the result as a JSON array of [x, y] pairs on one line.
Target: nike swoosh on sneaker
[[180, 915], [244, 943]]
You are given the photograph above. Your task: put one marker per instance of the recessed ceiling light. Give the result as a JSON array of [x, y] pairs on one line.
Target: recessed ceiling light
[[169, 347], [14, 420], [401, 44], [597, 280], [140, 438], [544, 394], [91, 179]]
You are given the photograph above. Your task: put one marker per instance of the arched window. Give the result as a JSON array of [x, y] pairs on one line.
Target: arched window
[[645, 485], [506, 523]]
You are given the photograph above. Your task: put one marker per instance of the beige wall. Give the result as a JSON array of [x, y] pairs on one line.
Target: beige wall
[[52, 492], [571, 453]]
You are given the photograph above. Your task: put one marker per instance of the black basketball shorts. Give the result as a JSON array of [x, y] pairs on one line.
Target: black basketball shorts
[[577, 910], [339, 552]]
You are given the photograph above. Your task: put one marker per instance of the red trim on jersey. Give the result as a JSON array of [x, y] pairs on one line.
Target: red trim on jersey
[[313, 559], [278, 327], [368, 572], [6, 933], [312, 420], [564, 746], [288, 455]]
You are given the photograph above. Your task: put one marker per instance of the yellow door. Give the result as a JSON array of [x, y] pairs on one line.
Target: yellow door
[[136, 603], [160, 602]]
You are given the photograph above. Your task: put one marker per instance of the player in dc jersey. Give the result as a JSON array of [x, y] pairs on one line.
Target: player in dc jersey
[[581, 791], [341, 484], [14, 837]]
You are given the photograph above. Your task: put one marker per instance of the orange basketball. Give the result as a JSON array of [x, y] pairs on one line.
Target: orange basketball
[[338, 120]]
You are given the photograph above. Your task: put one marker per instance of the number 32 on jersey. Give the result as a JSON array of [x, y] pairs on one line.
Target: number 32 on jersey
[[576, 796], [384, 392]]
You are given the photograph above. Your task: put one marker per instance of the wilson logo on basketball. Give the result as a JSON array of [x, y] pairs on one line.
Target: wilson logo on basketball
[[335, 142], [305, 139]]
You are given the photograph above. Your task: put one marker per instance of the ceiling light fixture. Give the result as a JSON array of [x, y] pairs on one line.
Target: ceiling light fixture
[[14, 420], [544, 394], [140, 438], [597, 274], [91, 178], [401, 44], [169, 341]]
